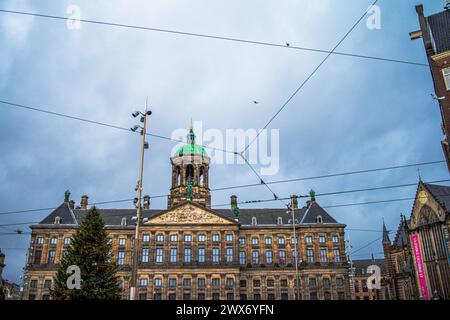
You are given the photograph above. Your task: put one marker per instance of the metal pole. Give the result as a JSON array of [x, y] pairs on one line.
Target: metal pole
[[296, 253], [138, 212]]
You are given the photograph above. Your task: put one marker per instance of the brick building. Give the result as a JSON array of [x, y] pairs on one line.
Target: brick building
[[435, 32], [191, 251], [359, 277]]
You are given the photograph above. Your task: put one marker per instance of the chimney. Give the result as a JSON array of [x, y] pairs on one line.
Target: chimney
[[146, 202], [71, 204], [233, 201], [294, 201], [84, 202]]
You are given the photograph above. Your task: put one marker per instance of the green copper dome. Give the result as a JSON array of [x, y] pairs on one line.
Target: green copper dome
[[190, 147]]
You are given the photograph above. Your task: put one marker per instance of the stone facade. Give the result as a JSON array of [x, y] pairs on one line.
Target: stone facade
[[190, 251]]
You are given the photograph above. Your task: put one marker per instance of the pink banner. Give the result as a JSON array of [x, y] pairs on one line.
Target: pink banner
[[419, 264]]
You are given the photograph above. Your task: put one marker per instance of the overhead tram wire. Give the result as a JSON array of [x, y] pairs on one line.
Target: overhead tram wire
[[308, 78], [216, 37], [272, 199], [104, 124]]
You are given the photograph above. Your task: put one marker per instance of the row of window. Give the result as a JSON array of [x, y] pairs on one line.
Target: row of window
[[201, 238], [229, 282], [215, 256]]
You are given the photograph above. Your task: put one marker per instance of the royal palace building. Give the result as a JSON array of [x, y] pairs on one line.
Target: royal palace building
[[193, 252]]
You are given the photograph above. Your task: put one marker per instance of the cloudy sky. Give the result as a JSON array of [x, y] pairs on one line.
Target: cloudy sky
[[354, 114]]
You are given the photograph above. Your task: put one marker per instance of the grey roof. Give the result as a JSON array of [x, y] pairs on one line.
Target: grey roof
[[439, 24], [361, 265], [440, 193], [267, 216]]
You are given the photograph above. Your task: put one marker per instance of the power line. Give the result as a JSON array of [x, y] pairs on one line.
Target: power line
[[276, 198], [215, 37], [332, 175], [308, 78], [104, 124]]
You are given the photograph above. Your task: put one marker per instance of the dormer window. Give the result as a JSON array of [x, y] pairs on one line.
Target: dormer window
[[57, 220], [279, 220], [254, 222], [319, 219], [446, 73], [124, 221]]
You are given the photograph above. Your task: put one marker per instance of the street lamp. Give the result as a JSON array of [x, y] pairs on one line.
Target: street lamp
[[137, 200]]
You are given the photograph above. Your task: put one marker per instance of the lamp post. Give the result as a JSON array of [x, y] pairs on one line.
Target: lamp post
[[144, 145]]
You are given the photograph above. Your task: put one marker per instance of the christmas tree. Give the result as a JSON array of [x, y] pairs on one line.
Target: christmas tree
[[90, 251]]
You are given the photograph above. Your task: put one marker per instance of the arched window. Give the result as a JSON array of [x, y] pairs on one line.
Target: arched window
[[254, 222], [319, 219], [202, 177], [189, 173], [178, 176], [279, 220], [57, 220], [124, 221]]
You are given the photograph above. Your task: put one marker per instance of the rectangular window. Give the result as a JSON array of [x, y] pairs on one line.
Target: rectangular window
[[201, 282], [173, 282], [215, 282], [242, 258], [270, 282], [188, 238], [160, 238], [339, 282], [51, 256], [256, 283], [158, 282], [229, 238], [159, 255], [40, 240], [215, 255], [173, 255], [229, 255], [201, 238], [173, 238], [242, 283], [282, 257], [122, 241], [215, 237], [308, 239], [323, 255], [267, 241], [230, 282], [216, 296], [284, 282], [310, 255], [326, 282], [46, 297], [143, 282], [255, 241], [294, 240], [201, 296], [47, 284], [145, 255], [186, 282], [281, 240], [335, 239], [294, 256], [146, 238], [142, 296], [67, 241], [255, 257], [269, 257], [121, 258], [337, 257], [33, 283], [446, 73], [201, 255], [322, 239], [312, 282], [187, 255], [37, 256], [241, 240]]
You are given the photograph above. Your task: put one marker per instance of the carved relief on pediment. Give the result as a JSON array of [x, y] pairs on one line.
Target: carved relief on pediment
[[188, 214]]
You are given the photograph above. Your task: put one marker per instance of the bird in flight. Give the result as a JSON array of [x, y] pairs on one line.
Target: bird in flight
[[287, 44], [255, 102]]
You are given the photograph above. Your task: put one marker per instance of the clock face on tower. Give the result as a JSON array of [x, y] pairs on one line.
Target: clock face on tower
[[423, 197]]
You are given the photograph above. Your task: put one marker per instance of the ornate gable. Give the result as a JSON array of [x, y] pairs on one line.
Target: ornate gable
[[425, 208], [189, 213]]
